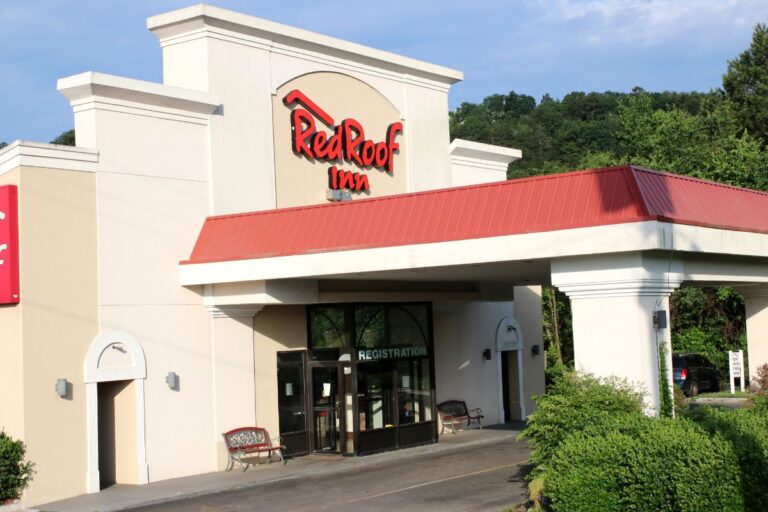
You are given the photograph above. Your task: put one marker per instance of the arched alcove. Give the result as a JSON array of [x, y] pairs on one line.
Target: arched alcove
[[114, 356]]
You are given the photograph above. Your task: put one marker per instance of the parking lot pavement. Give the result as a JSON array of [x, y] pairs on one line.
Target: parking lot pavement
[[423, 469], [488, 476]]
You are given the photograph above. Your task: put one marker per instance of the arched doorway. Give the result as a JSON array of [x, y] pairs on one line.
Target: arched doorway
[[115, 368], [509, 345]]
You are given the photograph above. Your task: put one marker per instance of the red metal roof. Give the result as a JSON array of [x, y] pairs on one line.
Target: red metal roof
[[546, 203]]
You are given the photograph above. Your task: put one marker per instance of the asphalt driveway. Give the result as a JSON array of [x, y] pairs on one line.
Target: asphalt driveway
[[476, 477]]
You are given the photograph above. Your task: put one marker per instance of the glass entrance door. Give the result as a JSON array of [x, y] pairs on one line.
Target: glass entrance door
[[328, 409], [291, 402]]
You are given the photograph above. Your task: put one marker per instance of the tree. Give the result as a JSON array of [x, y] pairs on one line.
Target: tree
[[65, 139], [746, 84]]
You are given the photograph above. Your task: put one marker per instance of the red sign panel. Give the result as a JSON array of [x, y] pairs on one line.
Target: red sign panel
[[9, 245]]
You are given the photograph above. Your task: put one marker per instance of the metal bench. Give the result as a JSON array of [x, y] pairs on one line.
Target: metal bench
[[454, 414], [246, 441]]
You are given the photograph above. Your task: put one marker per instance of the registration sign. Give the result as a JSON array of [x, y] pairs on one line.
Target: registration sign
[[9, 245]]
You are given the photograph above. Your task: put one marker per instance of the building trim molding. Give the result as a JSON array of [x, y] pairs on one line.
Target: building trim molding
[[22, 153], [234, 311]]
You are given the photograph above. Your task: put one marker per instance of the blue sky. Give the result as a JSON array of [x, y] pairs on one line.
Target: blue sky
[[530, 46]]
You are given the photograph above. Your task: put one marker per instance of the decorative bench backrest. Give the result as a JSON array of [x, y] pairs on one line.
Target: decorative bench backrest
[[247, 438], [453, 408]]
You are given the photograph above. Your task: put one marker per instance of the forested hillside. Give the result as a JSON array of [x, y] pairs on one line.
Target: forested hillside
[[719, 135]]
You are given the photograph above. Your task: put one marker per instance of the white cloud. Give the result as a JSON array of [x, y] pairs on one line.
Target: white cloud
[[652, 22]]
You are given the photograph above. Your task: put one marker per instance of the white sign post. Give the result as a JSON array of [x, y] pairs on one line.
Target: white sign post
[[736, 366]]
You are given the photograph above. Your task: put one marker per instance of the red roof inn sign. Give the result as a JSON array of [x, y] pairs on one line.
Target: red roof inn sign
[[9, 245], [347, 143]]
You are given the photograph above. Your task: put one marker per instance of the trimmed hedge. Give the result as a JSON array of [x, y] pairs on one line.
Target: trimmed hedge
[[15, 473], [747, 431], [639, 464], [574, 402]]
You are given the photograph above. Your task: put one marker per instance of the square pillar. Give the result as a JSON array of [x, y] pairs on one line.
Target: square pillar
[[234, 391], [613, 300], [756, 305]]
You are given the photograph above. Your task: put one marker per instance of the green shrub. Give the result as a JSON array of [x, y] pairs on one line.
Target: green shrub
[[681, 403], [747, 431], [574, 402], [15, 473], [637, 463], [760, 382]]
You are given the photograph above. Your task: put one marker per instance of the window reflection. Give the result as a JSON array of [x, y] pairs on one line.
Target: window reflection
[[414, 394], [327, 327], [374, 395]]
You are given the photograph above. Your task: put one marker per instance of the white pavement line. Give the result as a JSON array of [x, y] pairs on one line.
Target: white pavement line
[[455, 477]]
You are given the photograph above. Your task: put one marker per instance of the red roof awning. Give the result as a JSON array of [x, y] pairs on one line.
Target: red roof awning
[[547, 203]]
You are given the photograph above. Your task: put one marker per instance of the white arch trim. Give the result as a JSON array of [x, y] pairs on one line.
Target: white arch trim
[[101, 343], [509, 336], [137, 372]]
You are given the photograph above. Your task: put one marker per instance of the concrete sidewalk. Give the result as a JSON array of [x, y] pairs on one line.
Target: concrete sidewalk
[[122, 497]]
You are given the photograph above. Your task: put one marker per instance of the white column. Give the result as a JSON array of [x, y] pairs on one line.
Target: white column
[[93, 483], [234, 391], [613, 300], [141, 434], [756, 303]]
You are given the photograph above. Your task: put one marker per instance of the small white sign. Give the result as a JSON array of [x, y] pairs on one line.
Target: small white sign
[[736, 367]]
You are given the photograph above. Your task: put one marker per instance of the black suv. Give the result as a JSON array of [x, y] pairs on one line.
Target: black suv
[[694, 373]]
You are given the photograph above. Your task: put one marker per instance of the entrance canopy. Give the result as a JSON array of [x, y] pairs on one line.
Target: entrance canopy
[[533, 220], [618, 241]]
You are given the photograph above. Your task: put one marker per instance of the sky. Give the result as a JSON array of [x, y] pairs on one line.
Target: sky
[[534, 47]]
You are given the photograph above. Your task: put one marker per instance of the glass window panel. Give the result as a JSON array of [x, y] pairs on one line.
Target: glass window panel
[[296, 356], [370, 326], [408, 325], [374, 396], [290, 398], [327, 327], [414, 394]]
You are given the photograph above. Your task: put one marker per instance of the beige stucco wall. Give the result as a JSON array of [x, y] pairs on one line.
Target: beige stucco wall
[[462, 330], [58, 292], [275, 328], [11, 365], [300, 181], [153, 195], [233, 382]]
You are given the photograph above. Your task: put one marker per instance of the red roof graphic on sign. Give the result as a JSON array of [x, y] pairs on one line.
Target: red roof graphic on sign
[[547, 203]]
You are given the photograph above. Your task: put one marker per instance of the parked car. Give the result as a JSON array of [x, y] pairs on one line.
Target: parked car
[[694, 373]]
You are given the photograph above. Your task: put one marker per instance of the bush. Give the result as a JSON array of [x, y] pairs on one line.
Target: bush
[[747, 431], [760, 382], [574, 402], [15, 473], [637, 463]]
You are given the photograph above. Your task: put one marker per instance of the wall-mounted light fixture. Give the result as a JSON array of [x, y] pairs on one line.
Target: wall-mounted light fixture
[[535, 350], [172, 380], [487, 354], [61, 387]]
